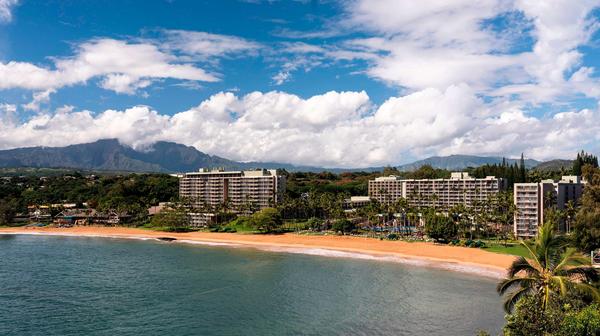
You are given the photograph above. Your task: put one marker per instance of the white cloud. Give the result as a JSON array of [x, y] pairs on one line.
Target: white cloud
[[8, 113], [332, 129], [6, 7], [443, 43], [39, 98], [204, 45], [123, 67], [126, 66]]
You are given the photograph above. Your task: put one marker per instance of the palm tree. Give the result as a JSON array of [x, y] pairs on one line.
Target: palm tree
[[552, 269], [570, 212]]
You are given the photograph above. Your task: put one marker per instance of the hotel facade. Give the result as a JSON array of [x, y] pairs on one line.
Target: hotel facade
[[532, 199], [460, 188], [236, 191]]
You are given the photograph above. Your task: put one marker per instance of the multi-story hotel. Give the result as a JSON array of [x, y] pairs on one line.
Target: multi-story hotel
[[236, 191], [531, 199], [460, 188]]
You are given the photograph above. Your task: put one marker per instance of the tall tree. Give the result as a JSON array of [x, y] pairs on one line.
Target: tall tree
[[522, 170], [586, 227], [552, 269], [583, 159]]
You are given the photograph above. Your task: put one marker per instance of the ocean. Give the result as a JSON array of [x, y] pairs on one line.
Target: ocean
[[52, 285]]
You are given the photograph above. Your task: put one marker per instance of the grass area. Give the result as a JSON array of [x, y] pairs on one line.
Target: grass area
[[241, 226], [511, 248], [294, 225]]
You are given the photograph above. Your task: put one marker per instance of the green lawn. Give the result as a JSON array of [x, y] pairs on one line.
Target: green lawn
[[240, 226], [511, 248]]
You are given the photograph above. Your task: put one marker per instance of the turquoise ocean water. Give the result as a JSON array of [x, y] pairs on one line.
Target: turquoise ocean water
[[97, 286]]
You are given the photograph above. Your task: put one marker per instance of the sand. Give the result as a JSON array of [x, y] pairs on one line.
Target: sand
[[462, 259]]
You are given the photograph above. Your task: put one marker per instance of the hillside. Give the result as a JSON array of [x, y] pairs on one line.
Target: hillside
[[554, 165], [110, 155], [459, 162]]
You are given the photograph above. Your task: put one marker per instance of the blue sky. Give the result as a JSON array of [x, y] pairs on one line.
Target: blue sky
[[351, 83]]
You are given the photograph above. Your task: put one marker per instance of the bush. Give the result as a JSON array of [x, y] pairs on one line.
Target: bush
[[440, 228], [267, 220], [314, 224], [584, 322], [343, 226], [392, 236], [171, 219], [478, 244], [529, 319]]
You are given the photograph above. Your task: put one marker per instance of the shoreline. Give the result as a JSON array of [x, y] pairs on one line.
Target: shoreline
[[421, 254]]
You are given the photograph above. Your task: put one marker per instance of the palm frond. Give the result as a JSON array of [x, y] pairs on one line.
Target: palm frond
[[521, 264], [567, 258], [588, 289], [584, 273], [506, 284], [512, 299], [534, 257], [562, 283]]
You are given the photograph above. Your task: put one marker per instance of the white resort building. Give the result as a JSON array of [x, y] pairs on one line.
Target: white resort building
[[531, 200], [236, 191], [460, 188]]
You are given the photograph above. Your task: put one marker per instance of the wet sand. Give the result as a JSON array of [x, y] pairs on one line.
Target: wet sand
[[462, 259]]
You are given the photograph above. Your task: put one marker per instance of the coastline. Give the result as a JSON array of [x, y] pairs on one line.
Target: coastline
[[453, 258]]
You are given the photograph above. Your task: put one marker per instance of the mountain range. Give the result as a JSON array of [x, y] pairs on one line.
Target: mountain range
[[458, 162], [169, 157]]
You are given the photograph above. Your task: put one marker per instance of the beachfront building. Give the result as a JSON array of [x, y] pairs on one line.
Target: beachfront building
[[532, 199], [460, 188], [355, 202], [247, 191]]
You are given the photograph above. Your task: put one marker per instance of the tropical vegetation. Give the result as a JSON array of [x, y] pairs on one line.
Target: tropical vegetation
[[551, 291]]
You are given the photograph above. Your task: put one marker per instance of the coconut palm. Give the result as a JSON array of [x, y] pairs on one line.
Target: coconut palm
[[552, 269], [570, 212]]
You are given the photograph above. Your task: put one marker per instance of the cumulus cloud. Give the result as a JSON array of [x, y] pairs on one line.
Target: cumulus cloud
[[6, 7], [443, 43], [126, 66], [39, 98], [334, 129], [123, 66]]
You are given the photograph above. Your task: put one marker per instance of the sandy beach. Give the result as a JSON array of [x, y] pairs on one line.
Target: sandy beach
[[461, 259]]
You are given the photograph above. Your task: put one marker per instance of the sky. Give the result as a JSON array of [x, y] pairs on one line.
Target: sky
[[349, 83]]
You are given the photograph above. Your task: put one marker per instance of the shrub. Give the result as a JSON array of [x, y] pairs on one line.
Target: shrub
[[267, 220], [392, 236], [314, 224], [584, 322], [478, 244], [343, 226], [440, 228]]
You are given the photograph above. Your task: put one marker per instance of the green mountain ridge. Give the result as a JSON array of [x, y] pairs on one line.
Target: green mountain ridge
[[169, 157], [460, 162]]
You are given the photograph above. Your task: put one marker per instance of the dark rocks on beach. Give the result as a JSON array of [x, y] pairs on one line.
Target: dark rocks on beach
[[168, 239]]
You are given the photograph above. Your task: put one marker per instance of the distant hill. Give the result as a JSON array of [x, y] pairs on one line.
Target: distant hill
[[459, 162], [554, 165], [110, 155]]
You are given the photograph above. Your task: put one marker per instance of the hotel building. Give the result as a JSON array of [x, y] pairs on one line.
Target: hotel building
[[237, 191], [460, 188], [531, 200]]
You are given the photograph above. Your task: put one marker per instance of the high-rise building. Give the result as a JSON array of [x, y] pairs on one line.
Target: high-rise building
[[460, 188], [532, 199], [235, 191]]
